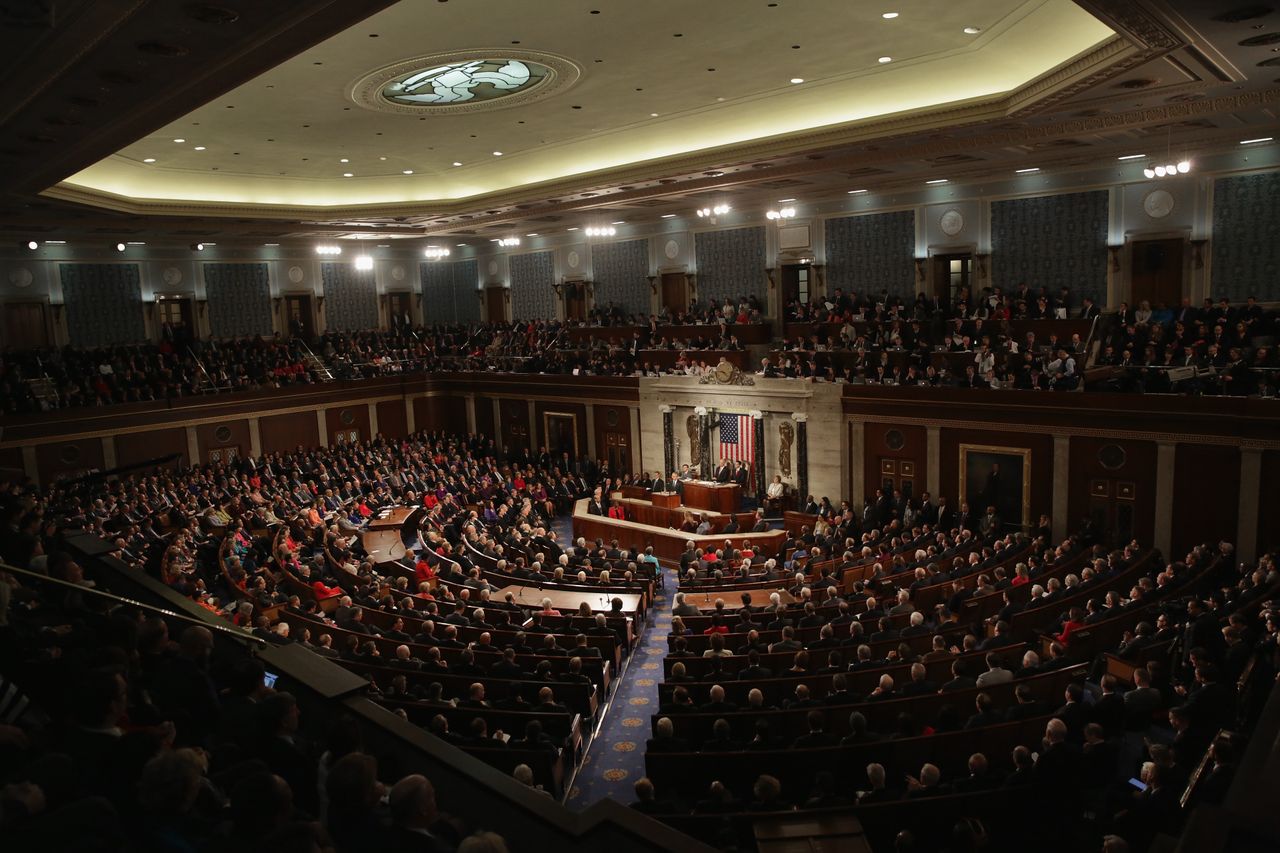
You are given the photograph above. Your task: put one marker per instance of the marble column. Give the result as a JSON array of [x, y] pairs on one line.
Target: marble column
[[373, 420], [802, 457], [323, 427], [471, 413], [109, 452], [497, 426], [933, 460], [193, 443], [255, 437], [1250, 498], [706, 468], [668, 440], [857, 465], [1166, 451], [1061, 484], [410, 426], [591, 431], [637, 463], [30, 466]]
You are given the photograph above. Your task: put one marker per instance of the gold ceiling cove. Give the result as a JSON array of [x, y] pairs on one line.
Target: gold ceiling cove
[[465, 81]]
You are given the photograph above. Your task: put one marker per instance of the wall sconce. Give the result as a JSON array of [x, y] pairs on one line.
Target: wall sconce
[[558, 288], [982, 259], [920, 270], [1197, 253], [202, 305], [692, 279], [320, 303], [590, 288], [1115, 251], [653, 284], [768, 272], [275, 303]]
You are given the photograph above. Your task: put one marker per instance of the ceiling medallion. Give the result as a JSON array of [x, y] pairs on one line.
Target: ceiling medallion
[[951, 223], [465, 81]]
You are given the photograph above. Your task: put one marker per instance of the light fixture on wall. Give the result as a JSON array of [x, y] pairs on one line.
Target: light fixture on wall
[[435, 253], [328, 250], [31, 244], [784, 213], [1168, 170], [509, 241], [197, 247], [603, 231], [364, 263], [120, 247], [718, 210]]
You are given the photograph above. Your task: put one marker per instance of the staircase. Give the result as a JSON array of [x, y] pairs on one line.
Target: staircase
[[44, 391], [313, 363]]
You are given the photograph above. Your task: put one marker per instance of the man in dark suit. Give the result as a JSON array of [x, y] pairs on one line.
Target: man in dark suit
[[724, 474], [412, 803], [595, 504], [742, 476], [816, 736]]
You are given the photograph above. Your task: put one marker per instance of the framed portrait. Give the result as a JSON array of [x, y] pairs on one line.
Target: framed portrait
[[999, 477]]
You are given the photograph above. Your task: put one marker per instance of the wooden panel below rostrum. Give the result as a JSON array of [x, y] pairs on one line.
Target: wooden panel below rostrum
[[667, 544]]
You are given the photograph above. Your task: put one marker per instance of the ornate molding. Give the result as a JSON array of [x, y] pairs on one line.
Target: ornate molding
[[727, 374]]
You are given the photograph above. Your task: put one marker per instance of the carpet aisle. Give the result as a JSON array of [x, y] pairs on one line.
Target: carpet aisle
[[615, 758]]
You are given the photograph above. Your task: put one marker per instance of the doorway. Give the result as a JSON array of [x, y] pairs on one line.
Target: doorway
[[174, 320], [26, 325], [951, 275], [1112, 508], [400, 310], [617, 453], [675, 292], [299, 318], [898, 475], [495, 301], [575, 300], [560, 433], [797, 283], [1156, 272]]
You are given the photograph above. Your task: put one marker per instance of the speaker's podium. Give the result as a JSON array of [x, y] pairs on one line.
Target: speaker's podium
[[667, 500]]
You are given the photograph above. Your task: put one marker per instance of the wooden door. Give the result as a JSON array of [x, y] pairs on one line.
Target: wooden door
[[495, 300], [1113, 508], [1156, 272], [675, 292], [298, 316], [617, 452], [175, 319], [575, 300], [399, 309], [898, 475], [951, 273], [797, 283], [26, 325]]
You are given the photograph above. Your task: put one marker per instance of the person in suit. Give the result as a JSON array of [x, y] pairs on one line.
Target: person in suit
[[595, 504], [742, 476], [664, 739], [412, 803], [724, 474], [816, 737]]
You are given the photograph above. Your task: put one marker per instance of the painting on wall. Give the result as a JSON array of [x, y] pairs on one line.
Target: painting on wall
[[997, 477]]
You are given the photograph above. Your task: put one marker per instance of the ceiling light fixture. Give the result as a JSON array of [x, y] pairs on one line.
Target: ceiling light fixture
[[348, 175], [364, 263], [534, 234], [120, 247], [573, 228], [197, 247], [785, 200], [889, 16], [603, 231], [497, 154], [667, 216], [509, 241], [784, 213], [797, 79], [882, 60], [406, 172], [856, 192], [1027, 171], [179, 140], [456, 163], [200, 148], [653, 115], [149, 160], [1132, 157], [937, 181], [1255, 141], [718, 210], [54, 242], [32, 245], [271, 244], [437, 252], [328, 250], [619, 222], [344, 160], [972, 31]]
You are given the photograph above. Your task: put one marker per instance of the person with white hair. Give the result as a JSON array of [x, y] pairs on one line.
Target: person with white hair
[[681, 608]]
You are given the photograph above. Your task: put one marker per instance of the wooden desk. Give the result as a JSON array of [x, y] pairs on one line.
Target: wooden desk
[[717, 497], [656, 515], [733, 598], [667, 544], [567, 601], [383, 539], [393, 519], [666, 500]]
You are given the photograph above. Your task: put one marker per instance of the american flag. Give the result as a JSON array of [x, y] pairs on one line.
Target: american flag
[[738, 438]]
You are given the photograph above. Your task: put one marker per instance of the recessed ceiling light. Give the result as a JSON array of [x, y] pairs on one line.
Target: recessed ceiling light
[[348, 175], [785, 200], [497, 154], [535, 234], [797, 79], [344, 160], [1254, 141], [972, 31], [574, 228], [889, 16], [619, 222], [937, 181], [1027, 171], [1132, 157], [456, 163], [882, 60], [668, 216], [58, 242], [653, 115], [271, 244], [149, 160], [199, 147], [135, 243], [855, 192], [462, 245], [179, 140], [407, 172]]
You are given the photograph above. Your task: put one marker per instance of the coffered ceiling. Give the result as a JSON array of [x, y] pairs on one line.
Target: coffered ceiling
[[277, 96]]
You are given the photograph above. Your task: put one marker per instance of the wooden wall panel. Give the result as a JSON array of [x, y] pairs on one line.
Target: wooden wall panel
[[1269, 503], [614, 422], [1138, 468], [877, 446], [347, 419], [1206, 496], [11, 459], [391, 419], [227, 434], [1040, 445], [484, 416], [436, 414], [281, 433], [61, 459], [133, 447], [515, 424]]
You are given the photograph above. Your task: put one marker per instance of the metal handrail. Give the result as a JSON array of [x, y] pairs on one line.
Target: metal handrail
[[207, 377], [237, 633]]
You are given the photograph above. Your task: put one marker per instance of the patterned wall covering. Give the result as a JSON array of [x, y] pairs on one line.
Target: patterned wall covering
[[1052, 241], [104, 303], [239, 299], [449, 292], [731, 263], [868, 254], [1246, 250], [532, 275], [621, 272], [350, 297]]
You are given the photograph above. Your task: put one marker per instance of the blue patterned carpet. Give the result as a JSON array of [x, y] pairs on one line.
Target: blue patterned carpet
[[615, 758]]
